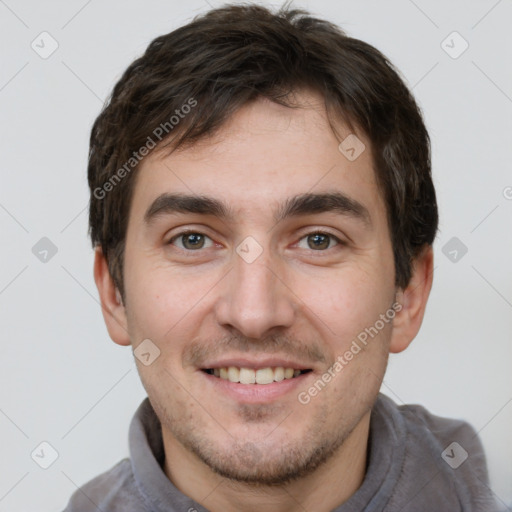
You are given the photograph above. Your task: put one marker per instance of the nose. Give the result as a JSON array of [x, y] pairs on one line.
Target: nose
[[255, 299]]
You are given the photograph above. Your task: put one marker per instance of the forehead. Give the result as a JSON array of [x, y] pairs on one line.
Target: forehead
[[261, 157]]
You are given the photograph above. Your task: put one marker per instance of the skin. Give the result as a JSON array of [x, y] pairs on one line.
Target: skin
[[292, 301]]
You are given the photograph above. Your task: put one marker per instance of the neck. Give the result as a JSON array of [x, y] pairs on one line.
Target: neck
[[330, 485]]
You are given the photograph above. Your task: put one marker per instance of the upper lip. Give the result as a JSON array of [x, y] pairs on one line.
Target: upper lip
[[256, 364]]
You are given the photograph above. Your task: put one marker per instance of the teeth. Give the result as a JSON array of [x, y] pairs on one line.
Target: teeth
[[251, 376], [279, 374], [247, 376], [264, 376], [233, 374]]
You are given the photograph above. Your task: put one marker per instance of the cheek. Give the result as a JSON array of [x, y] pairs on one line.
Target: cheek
[[345, 302], [152, 305], [161, 298]]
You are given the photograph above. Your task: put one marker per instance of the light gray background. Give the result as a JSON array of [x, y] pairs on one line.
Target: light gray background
[[65, 382]]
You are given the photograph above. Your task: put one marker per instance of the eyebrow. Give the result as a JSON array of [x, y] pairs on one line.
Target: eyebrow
[[296, 206]]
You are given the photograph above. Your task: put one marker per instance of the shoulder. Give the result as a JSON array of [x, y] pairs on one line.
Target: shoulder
[[453, 440], [114, 490], [446, 456]]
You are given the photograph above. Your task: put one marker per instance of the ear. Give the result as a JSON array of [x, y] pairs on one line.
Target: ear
[[112, 307], [413, 299]]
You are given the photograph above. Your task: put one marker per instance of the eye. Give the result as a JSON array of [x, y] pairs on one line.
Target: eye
[[319, 241], [191, 240], [194, 240]]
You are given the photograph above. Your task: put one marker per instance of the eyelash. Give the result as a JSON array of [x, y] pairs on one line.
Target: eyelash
[[316, 232]]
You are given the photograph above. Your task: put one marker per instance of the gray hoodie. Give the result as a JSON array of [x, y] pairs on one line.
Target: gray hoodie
[[417, 462]]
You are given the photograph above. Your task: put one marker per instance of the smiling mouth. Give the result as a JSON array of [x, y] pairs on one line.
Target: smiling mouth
[[255, 376]]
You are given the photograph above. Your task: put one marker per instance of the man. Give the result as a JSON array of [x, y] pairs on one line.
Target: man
[[263, 215]]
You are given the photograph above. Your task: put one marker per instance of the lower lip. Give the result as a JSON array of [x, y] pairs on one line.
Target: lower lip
[[256, 393]]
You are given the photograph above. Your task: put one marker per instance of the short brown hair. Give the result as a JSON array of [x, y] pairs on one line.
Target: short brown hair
[[230, 56]]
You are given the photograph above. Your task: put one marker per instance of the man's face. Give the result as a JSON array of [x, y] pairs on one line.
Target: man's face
[[259, 289]]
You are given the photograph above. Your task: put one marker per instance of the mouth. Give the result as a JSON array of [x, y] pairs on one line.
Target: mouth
[[261, 376]]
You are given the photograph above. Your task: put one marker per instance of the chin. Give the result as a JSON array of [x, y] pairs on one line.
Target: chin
[[264, 463]]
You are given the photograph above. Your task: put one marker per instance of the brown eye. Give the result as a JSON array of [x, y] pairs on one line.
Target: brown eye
[[190, 240], [319, 241]]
